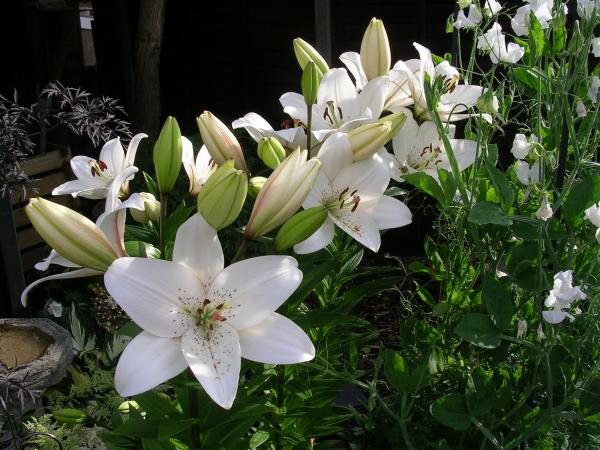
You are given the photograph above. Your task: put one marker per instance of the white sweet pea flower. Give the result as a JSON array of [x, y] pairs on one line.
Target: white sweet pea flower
[[544, 212], [521, 328], [419, 148], [522, 146], [593, 89], [491, 7], [494, 42], [471, 20], [562, 295], [352, 194], [94, 177], [527, 174], [55, 309], [587, 8], [542, 10], [452, 104], [197, 170], [257, 127], [580, 109], [196, 313], [339, 106], [596, 47], [593, 214], [111, 223]]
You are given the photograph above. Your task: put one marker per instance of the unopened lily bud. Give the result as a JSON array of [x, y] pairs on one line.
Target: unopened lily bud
[[396, 120], [151, 209], [71, 234], [375, 55], [300, 227], [271, 152], [306, 52], [311, 78], [167, 155], [283, 193], [219, 141], [368, 139], [255, 184], [222, 196]]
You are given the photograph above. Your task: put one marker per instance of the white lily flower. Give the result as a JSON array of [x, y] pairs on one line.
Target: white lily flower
[[593, 214], [196, 313], [94, 177], [587, 8], [593, 89], [542, 10], [453, 104], [197, 170], [419, 148], [257, 127], [352, 193], [527, 174], [339, 106], [112, 225], [522, 146], [494, 42], [471, 20], [491, 7], [562, 295]]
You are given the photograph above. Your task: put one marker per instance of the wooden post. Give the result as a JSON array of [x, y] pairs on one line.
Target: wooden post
[[323, 28], [11, 260]]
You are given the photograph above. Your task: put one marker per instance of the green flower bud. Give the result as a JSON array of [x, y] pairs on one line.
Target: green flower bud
[[151, 209], [69, 416], [375, 55], [222, 196], [311, 78], [306, 52], [300, 227], [167, 155], [255, 185], [271, 152], [367, 139], [488, 102]]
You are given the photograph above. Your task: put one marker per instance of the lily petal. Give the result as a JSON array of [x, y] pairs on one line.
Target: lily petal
[[254, 124], [79, 273], [132, 148], [335, 153], [352, 62], [215, 360], [390, 213], [358, 225], [94, 190], [252, 289], [197, 248], [80, 165], [369, 177], [294, 106], [155, 293], [113, 155], [276, 340], [54, 258], [336, 86], [372, 97], [146, 362], [318, 240]]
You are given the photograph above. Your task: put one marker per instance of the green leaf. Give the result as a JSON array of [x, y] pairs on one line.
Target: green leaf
[[492, 155], [480, 391], [141, 249], [130, 329], [258, 438], [498, 303], [529, 81], [451, 410], [400, 376], [582, 196], [427, 184], [488, 213], [448, 184], [151, 185], [502, 187], [559, 33], [370, 288], [536, 38], [479, 330]]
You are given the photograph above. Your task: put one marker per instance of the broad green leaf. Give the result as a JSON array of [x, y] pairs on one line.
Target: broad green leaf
[[492, 155], [258, 438], [529, 81], [502, 187], [488, 213], [427, 184], [400, 375], [536, 38], [480, 392], [151, 185], [479, 330], [448, 184], [451, 410], [583, 195], [141, 249], [498, 303]]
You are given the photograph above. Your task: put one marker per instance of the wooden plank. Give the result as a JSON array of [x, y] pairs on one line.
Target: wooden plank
[[32, 256], [36, 165], [10, 261], [40, 187], [20, 218], [28, 237]]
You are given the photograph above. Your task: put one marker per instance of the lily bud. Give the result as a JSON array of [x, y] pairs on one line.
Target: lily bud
[[306, 52], [151, 209], [300, 227], [367, 139], [167, 155], [255, 184], [283, 193], [396, 120], [375, 55], [220, 142], [71, 234], [311, 78], [271, 152], [222, 196]]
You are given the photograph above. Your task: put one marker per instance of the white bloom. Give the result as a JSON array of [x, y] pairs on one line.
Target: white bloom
[[491, 7], [540, 332], [419, 148], [542, 10], [494, 41], [593, 214], [593, 89], [521, 328], [94, 177], [544, 212], [464, 3], [196, 313], [580, 109], [587, 8], [257, 127], [199, 170], [352, 193], [596, 47], [527, 174], [562, 295], [471, 21], [54, 308], [522, 146]]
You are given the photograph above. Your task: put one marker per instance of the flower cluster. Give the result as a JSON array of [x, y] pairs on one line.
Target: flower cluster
[[561, 297]]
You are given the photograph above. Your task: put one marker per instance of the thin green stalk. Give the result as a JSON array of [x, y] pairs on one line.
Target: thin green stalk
[[308, 128], [401, 421], [241, 250], [487, 433], [161, 224], [549, 383]]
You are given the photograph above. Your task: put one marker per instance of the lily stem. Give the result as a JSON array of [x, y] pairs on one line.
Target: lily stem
[[241, 250], [308, 127], [161, 224]]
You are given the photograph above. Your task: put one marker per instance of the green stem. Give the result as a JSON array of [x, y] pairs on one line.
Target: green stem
[[549, 382], [161, 224], [487, 433], [280, 404], [308, 128], [401, 421], [241, 250]]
